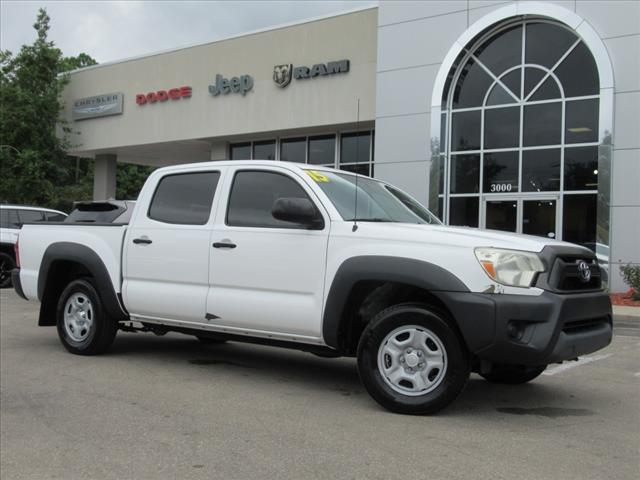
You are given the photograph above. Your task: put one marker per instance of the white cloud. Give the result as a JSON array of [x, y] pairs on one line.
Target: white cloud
[[111, 30]]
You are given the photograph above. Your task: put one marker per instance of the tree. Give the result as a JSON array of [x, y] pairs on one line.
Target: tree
[[30, 105], [34, 168], [68, 64]]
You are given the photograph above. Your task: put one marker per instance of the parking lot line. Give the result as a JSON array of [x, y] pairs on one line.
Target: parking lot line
[[569, 365]]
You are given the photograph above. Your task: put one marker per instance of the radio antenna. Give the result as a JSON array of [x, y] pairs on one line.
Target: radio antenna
[[355, 209]]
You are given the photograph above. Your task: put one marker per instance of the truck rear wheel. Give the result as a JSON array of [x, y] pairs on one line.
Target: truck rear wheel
[[411, 360], [512, 374], [6, 265], [83, 325]]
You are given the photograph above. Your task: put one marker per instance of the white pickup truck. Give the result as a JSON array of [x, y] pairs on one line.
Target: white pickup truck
[[290, 255]]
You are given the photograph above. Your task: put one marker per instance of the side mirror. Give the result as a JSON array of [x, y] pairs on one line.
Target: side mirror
[[297, 210]]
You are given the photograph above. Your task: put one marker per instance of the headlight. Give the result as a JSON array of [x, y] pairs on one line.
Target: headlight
[[509, 267]]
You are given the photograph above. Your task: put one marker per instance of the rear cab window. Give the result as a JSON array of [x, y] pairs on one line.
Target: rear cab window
[[184, 198], [29, 216], [55, 217], [9, 218]]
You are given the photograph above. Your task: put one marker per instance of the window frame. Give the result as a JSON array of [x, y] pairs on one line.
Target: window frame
[[446, 110], [336, 134], [211, 207]]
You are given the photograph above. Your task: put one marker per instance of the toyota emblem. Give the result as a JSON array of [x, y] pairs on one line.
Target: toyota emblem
[[584, 271]]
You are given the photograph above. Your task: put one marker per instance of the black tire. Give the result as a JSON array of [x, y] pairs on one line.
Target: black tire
[[7, 264], [457, 362], [512, 374], [102, 331], [210, 340]]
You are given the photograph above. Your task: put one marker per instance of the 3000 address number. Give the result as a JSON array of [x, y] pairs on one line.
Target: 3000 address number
[[501, 187]]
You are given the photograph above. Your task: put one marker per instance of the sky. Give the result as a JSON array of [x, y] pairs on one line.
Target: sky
[[113, 30]]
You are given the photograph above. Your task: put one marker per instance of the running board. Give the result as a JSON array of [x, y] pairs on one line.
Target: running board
[[228, 330]]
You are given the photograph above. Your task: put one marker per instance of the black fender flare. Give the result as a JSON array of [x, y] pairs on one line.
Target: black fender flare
[[90, 260], [417, 273]]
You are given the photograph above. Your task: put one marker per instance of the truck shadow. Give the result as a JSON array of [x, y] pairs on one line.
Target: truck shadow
[[307, 372]]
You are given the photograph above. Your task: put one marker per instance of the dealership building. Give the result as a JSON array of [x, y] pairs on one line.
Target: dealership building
[[518, 116]]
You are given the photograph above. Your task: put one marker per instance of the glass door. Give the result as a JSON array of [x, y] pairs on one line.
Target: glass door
[[528, 215], [501, 214], [539, 217]]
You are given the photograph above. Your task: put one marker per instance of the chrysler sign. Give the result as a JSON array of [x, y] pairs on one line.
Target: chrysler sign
[[282, 74], [98, 106]]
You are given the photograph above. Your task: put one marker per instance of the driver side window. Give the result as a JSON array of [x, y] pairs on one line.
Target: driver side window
[[253, 194]]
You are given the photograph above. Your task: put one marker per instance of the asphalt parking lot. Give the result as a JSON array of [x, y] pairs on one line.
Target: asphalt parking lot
[[168, 407]]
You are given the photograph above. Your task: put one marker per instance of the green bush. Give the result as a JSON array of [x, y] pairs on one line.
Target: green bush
[[631, 275]]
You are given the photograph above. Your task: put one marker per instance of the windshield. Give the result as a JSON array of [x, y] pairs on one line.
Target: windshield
[[376, 201]]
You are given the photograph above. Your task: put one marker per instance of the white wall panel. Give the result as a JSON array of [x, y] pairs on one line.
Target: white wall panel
[[402, 139], [625, 246], [407, 10], [624, 53], [611, 18], [421, 42], [626, 120], [626, 179], [412, 177], [405, 91]]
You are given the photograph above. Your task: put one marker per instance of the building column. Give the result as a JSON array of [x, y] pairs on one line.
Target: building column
[[218, 151], [104, 176]]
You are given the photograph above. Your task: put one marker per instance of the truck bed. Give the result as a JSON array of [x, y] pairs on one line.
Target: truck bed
[[105, 239]]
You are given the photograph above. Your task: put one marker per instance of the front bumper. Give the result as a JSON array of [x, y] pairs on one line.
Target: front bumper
[[528, 330]]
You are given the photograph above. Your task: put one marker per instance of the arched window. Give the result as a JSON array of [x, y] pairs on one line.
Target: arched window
[[520, 133]]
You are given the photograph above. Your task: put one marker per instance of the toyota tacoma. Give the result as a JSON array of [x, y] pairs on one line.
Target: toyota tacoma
[[323, 261]]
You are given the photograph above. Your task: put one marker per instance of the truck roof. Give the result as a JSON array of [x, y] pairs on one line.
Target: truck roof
[[30, 207], [294, 166]]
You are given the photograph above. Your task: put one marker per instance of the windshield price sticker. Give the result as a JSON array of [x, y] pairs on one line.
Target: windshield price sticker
[[317, 176]]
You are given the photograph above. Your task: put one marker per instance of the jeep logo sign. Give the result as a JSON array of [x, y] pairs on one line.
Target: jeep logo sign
[[282, 74], [241, 84]]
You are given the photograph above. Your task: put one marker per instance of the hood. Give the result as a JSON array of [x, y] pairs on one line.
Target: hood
[[457, 236]]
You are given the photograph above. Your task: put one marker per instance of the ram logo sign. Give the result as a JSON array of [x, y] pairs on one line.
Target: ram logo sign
[[282, 74]]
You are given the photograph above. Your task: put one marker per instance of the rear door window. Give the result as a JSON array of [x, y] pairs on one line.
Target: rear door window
[[184, 198]]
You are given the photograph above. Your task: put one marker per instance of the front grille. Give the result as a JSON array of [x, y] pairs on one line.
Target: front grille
[[580, 326], [569, 278], [563, 274]]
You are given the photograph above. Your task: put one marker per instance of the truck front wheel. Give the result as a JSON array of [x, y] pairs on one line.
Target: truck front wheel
[[83, 325], [411, 360], [512, 374]]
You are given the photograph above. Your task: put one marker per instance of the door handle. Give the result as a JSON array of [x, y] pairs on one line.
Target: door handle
[[224, 245], [143, 240]]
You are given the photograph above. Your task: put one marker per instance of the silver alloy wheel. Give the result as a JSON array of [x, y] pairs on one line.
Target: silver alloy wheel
[[78, 317], [412, 360]]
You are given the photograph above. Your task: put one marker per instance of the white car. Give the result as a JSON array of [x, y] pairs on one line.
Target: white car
[[11, 219], [323, 261]]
